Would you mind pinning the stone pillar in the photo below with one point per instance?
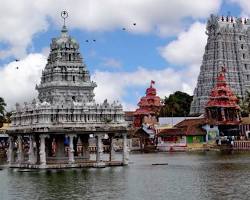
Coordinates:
(238, 118)
(32, 157)
(125, 155)
(42, 152)
(219, 142)
(11, 158)
(60, 147)
(20, 156)
(99, 148)
(206, 136)
(224, 117)
(112, 151)
(85, 147)
(71, 149)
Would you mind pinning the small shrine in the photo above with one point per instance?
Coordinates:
(149, 107)
(145, 118)
(222, 108)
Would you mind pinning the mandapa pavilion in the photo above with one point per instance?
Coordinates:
(53, 131)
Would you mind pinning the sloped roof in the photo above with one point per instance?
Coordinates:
(141, 111)
(185, 127)
(173, 120)
(146, 131)
(171, 132)
(191, 122)
(193, 130)
(129, 113)
(193, 126)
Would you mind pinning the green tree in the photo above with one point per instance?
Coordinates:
(2, 106)
(7, 117)
(176, 105)
(245, 105)
(2, 110)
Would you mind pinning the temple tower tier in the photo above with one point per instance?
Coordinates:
(65, 77)
(228, 44)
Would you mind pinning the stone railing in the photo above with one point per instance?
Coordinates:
(242, 145)
(92, 149)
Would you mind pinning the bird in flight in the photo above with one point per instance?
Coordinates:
(93, 40)
(124, 28)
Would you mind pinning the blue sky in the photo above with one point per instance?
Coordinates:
(166, 45)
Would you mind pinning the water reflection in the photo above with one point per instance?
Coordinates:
(208, 175)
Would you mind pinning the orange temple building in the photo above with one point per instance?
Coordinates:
(145, 118)
(149, 107)
(222, 108)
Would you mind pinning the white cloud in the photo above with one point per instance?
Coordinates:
(18, 79)
(21, 19)
(111, 63)
(188, 48)
(118, 85)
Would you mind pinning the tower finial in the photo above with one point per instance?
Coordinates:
(64, 15)
(152, 83)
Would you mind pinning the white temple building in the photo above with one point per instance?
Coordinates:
(53, 130)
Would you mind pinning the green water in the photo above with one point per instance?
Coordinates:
(187, 176)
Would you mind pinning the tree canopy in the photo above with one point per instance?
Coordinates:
(245, 105)
(176, 105)
(2, 106)
(2, 110)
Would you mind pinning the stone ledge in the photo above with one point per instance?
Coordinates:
(66, 166)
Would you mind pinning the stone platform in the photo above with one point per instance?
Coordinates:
(89, 164)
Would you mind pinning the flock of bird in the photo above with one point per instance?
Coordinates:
(87, 41)
(124, 29)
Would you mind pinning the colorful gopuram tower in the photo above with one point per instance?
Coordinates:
(149, 106)
(228, 44)
(222, 108)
